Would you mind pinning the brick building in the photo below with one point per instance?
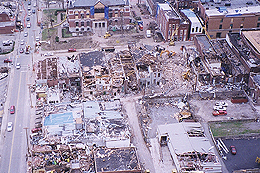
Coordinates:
(222, 17)
(98, 16)
(170, 22)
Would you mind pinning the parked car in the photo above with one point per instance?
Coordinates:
(28, 19)
(72, 50)
(28, 25)
(220, 108)
(35, 130)
(25, 34)
(37, 38)
(18, 65)
(22, 42)
(221, 104)
(233, 150)
(21, 50)
(12, 109)
(216, 113)
(9, 126)
(7, 60)
(33, 11)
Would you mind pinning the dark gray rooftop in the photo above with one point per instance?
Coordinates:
(91, 59)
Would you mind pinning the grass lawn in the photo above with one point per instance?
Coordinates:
(234, 128)
(47, 33)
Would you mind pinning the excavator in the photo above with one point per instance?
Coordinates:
(172, 43)
(186, 75)
(107, 35)
(169, 53)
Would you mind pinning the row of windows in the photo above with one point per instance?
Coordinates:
(82, 23)
(232, 20)
(196, 30)
(241, 26)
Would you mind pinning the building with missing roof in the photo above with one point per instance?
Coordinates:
(98, 16)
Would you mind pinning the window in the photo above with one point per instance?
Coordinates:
(258, 25)
(77, 23)
(99, 24)
(95, 25)
(82, 29)
(82, 16)
(218, 35)
(82, 24)
(221, 20)
(159, 74)
(258, 18)
(192, 30)
(242, 25)
(231, 26)
(200, 29)
(220, 27)
(88, 23)
(103, 24)
(154, 81)
(232, 20)
(196, 29)
(77, 29)
(110, 22)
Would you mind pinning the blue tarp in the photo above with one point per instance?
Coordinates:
(56, 119)
(106, 12)
(92, 10)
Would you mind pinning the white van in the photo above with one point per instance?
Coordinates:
(148, 33)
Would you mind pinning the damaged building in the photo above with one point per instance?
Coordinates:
(189, 148)
(117, 160)
(55, 77)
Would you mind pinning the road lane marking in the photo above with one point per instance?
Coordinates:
(12, 145)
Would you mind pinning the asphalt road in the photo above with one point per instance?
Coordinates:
(247, 151)
(14, 145)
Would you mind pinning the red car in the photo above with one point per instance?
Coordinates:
(72, 50)
(233, 150)
(7, 61)
(216, 113)
(12, 110)
(35, 130)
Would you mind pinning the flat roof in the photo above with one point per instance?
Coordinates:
(191, 15)
(236, 8)
(254, 38)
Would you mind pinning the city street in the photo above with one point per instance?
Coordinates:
(14, 142)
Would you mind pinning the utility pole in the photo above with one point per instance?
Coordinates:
(122, 21)
(26, 128)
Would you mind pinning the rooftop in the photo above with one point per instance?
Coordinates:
(231, 8)
(83, 3)
(254, 38)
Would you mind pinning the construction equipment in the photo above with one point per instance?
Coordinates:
(186, 75)
(257, 160)
(169, 53)
(107, 35)
(172, 43)
(206, 32)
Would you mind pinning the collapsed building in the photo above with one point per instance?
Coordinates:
(59, 78)
(189, 148)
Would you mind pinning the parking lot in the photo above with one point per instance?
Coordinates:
(247, 151)
(203, 110)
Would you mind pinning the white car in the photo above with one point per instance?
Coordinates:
(221, 104)
(37, 38)
(220, 108)
(29, 13)
(28, 25)
(25, 34)
(22, 42)
(9, 126)
(18, 65)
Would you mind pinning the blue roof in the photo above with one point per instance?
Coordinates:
(57, 119)
(188, 13)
